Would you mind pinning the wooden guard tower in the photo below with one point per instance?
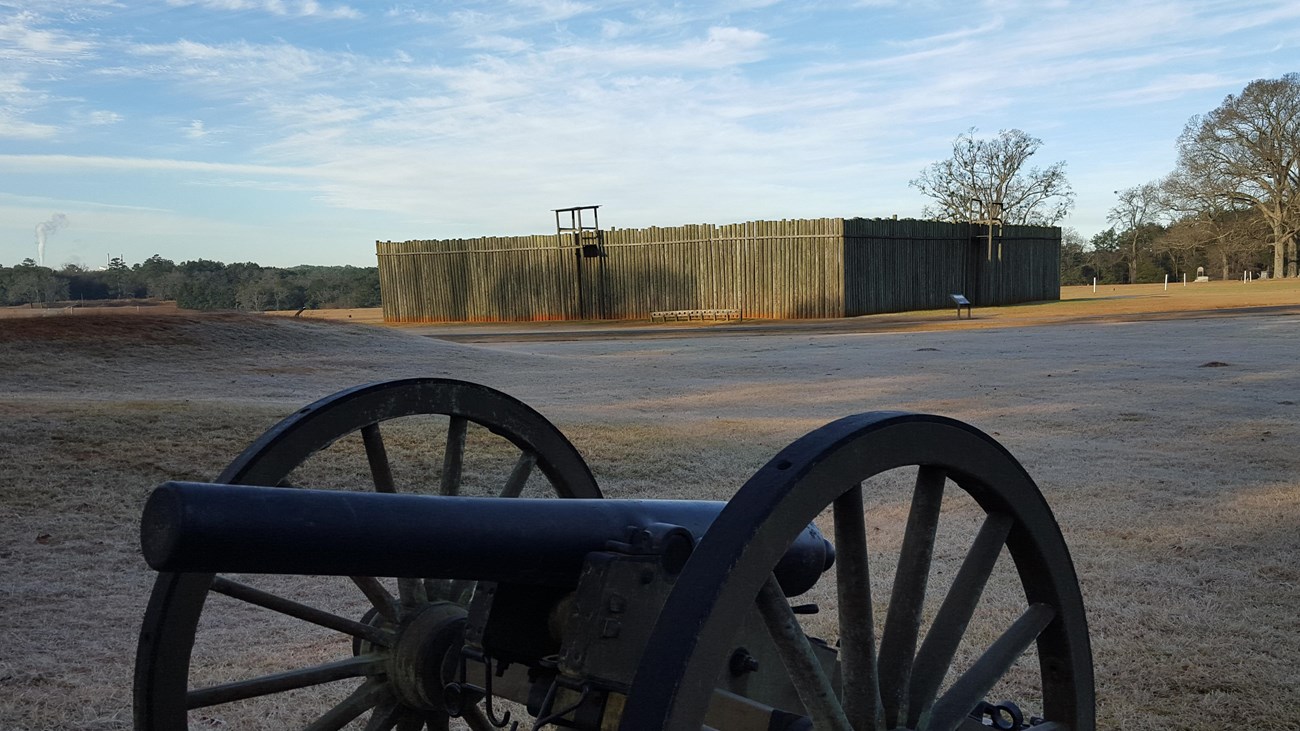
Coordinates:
(588, 240)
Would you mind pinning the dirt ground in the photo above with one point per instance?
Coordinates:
(1161, 426)
(1114, 303)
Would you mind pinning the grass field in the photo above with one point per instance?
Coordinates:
(1161, 426)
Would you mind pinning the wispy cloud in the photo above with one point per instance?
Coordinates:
(85, 163)
(191, 58)
(18, 103)
(549, 11)
(1170, 86)
(984, 31)
(102, 117)
(289, 8)
(72, 203)
(14, 127)
(23, 39)
(514, 15)
(499, 43)
(720, 47)
(238, 70)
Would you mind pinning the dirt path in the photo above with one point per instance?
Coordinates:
(1115, 303)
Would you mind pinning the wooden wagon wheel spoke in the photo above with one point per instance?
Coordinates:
(380, 599)
(903, 620)
(415, 591)
(352, 667)
(381, 470)
(970, 688)
(415, 721)
(453, 458)
(386, 715)
(349, 709)
(411, 593)
(857, 639)
(298, 610)
(163, 668)
(810, 681)
(519, 474)
(949, 626)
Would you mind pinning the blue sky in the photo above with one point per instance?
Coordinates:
(300, 131)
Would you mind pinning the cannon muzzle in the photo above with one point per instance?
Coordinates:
(215, 528)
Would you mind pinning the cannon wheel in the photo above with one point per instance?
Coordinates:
(162, 694)
(893, 684)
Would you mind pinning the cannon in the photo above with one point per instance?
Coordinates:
(448, 587)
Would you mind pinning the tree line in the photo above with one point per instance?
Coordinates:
(199, 285)
(1231, 204)
(1148, 252)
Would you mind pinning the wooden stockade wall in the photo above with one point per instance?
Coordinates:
(829, 267)
(895, 266)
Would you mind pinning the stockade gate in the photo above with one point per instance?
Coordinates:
(818, 268)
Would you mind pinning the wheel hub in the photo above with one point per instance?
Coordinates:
(426, 655)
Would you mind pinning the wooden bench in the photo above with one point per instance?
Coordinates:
(680, 315)
(961, 301)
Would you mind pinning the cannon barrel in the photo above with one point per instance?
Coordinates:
(216, 528)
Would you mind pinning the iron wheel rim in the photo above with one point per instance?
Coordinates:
(730, 565)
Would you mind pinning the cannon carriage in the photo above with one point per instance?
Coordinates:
(591, 613)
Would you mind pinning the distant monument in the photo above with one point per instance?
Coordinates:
(1200, 275)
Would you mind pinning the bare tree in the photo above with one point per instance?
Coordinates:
(986, 179)
(1232, 239)
(1182, 241)
(1073, 257)
(1247, 151)
(1224, 228)
(1138, 208)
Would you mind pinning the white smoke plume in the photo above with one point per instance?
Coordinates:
(44, 230)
